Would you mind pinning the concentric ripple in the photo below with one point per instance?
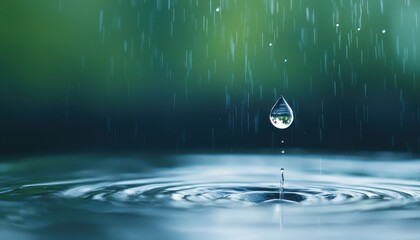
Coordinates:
(229, 194)
(215, 196)
(368, 194)
(213, 186)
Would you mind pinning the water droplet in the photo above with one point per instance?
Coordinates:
(282, 141)
(282, 151)
(285, 60)
(217, 9)
(358, 29)
(337, 25)
(384, 31)
(270, 44)
(281, 115)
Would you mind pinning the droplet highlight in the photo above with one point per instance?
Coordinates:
(281, 115)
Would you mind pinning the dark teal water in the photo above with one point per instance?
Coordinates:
(234, 196)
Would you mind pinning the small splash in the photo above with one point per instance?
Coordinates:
(281, 115)
(281, 192)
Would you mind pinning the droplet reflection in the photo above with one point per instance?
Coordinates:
(281, 115)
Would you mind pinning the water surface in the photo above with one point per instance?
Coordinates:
(232, 196)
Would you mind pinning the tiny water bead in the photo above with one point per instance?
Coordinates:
(281, 115)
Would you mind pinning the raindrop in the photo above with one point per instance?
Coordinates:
(281, 115)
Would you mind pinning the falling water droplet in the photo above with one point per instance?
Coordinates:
(281, 115)
(281, 190)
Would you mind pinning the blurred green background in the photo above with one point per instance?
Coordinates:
(204, 74)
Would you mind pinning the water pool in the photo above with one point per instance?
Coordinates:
(231, 196)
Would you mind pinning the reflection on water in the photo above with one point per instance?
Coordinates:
(210, 196)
